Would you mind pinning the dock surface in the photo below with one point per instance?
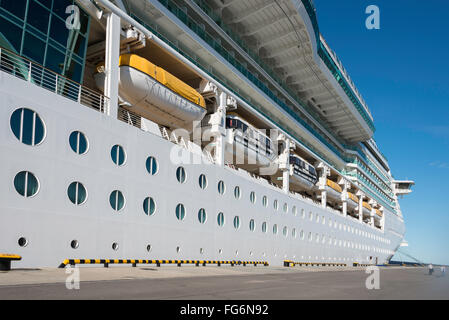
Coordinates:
(225, 282)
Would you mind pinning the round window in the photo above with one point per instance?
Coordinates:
(27, 126)
(118, 155)
(26, 184)
(77, 193)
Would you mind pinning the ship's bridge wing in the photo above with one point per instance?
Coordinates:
(285, 35)
(402, 187)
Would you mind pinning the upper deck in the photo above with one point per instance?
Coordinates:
(281, 40)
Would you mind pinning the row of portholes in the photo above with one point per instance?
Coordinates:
(29, 128)
(74, 244)
(27, 185)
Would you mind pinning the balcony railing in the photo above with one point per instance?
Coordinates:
(34, 73)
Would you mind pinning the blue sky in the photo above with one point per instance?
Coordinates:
(402, 71)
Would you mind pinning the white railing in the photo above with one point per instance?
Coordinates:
(32, 72)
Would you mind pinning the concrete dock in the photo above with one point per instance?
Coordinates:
(225, 282)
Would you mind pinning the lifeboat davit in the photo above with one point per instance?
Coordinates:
(303, 175)
(155, 94)
(333, 190)
(246, 146)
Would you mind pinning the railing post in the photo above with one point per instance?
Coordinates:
(29, 71)
(56, 84)
(79, 93)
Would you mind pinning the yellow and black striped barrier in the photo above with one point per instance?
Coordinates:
(5, 260)
(134, 262)
(356, 264)
(289, 263)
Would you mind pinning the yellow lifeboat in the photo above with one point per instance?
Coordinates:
(379, 213)
(155, 94)
(333, 190)
(353, 201)
(366, 208)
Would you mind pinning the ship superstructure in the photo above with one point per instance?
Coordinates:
(215, 129)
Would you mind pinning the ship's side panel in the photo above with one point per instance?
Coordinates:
(50, 221)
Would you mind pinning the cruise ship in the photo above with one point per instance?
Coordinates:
(186, 129)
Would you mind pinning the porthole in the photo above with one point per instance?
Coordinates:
(251, 225)
(285, 231)
(317, 216)
(118, 155)
(294, 211)
(115, 246)
(78, 142)
(264, 201)
(220, 251)
(323, 220)
(252, 197)
(117, 200)
(181, 174)
(26, 184)
(237, 193)
(275, 205)
(180, 211)
(220, 219)
(310, 215)
(151, 165)
(275, 229)
(303, 213)
(77, 193)
(149, 206)
(201, 250)
(23, 242)
(149, 248)
(294, 233)
(301, 234)
(285, 207)
(310, 236)
(178, 249)
(202, 180)
(27, 126)
(236, 222)
(74, 244)
(221, 187)
(264, 227)
(202, 215)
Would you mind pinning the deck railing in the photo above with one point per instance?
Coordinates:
(32, 72)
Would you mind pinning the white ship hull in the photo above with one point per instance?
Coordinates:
(50, 222)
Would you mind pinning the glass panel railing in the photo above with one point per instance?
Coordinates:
(36, 74)
(335, 71)
(372, 191)
(367, 171)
